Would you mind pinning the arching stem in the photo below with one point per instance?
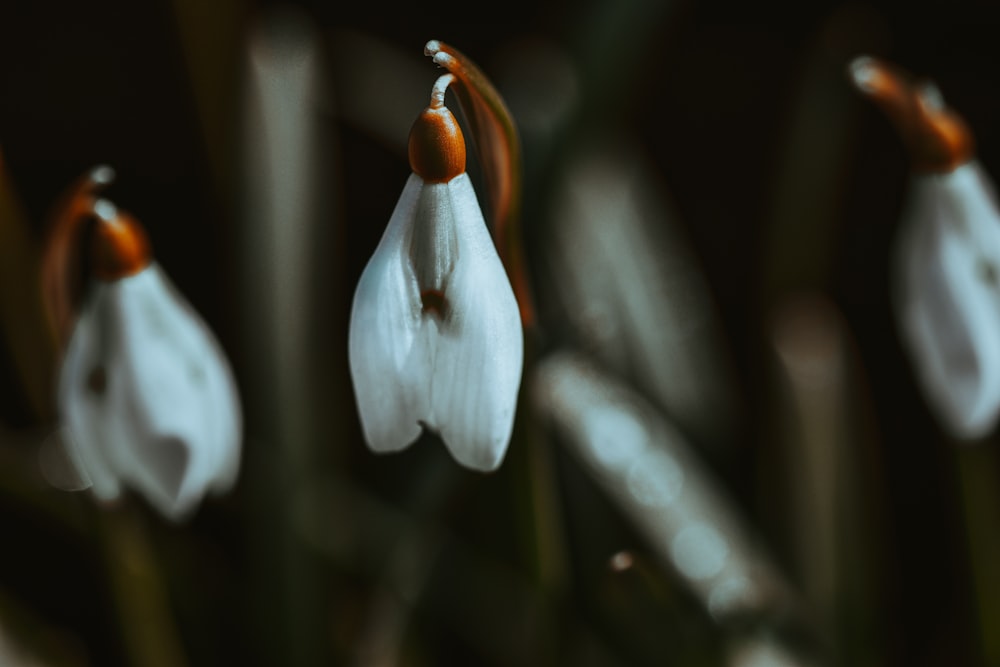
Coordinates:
(60, 253)
(499, 148)
(439, 90)
(937, 138)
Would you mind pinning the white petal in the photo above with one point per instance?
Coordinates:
(81, 409)
(179, 396)
(212, 382)
(389, 355)
(949, 308)
(60, 463)
(167, 421)
(477, 366)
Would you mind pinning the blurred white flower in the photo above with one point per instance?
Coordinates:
(948, 295)
(146, 395)
(947, 259)
(435, 333)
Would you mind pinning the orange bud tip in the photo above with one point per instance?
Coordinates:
(120, 247)
(437, 147)
(937, 138)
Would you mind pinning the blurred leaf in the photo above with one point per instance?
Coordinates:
(22, 316)
(631, 291)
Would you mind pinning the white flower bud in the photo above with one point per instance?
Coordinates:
(948, 296)
(147, 396)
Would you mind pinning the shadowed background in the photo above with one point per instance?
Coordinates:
(708, 213)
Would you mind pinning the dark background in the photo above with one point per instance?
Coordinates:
(712, 91)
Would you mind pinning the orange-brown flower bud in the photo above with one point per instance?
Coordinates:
(120, 247)
(437, 147)
(937, 138)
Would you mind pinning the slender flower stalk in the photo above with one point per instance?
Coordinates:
(947, 262)
(146, 396)
(59, 259)
(435, 336)
(287, 251)
(23, 322)
(496, 137)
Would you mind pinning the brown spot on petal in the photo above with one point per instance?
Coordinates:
(987, 272)
(97, 381)
(434, 302)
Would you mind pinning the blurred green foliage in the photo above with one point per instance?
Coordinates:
(759, 166)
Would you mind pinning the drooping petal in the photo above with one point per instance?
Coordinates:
(214, 380)
(390, 357)
(227, 427)
(949, 297)
(183, 396)
(149, 398)
(480, 346)
(81, 383)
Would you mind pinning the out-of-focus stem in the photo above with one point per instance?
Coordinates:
(420, 567)
(210, 34)
(402, 581)
(536, 503)
(979, 483)
(28, 640)
(805, 203)
(61, 251)
(610, 44)
(286, 252)
(22, 315)
(547, 511)
(764, 651)
(810, 348)
(151, 638)
(23, 479)
(827, 507)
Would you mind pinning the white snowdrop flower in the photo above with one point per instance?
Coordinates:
(145, 393)
(946, 272)
(948, 296)
(435, 334)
